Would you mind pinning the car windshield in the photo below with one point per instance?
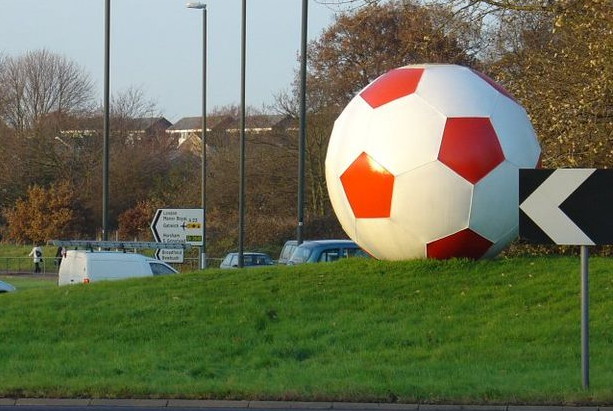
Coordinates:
(301, 255)
(256, 260)
(287, 252)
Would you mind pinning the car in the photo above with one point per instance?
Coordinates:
(288, 249)
(317, 251)
(286, 252)
(250, 259)
(6, 287)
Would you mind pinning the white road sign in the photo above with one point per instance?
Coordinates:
(170, 255)
(177, 225)
(569, 206)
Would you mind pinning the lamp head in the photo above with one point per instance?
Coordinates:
(196, 5)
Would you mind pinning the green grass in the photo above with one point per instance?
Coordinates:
(503, 331)
(28, 282)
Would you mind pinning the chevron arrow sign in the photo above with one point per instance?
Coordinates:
(566, 206)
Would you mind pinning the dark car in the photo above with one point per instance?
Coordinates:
(317, 251)
(250, 259)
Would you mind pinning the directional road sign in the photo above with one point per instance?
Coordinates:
(175, 225)
(566, 206)
(170, 255)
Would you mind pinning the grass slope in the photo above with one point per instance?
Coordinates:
(504, 331)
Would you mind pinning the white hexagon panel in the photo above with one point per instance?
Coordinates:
(423, 163)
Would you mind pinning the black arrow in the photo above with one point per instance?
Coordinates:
(156, 235)
(590, 206)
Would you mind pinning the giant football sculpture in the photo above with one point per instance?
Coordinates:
(423, 163)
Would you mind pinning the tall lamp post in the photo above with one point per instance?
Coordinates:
(105, 132)
(202, 6)
(241, 189)
(302, 126)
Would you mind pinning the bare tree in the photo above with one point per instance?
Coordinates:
(3, 91)
(40, 83)
(139, 155)
(39, 91)
(128, 107)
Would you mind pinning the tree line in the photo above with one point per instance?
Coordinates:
(553, 56)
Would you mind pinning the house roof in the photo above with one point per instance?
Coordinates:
(259, 122)
(195, 123)
(145, 123)
(263, 122)
(133, 124)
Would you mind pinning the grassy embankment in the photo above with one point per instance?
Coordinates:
(503, 331)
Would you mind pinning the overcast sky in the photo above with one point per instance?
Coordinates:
(156, 45)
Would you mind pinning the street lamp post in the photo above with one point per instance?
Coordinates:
(201, 6)
(302, 126)
(241, 189)
(106, 109)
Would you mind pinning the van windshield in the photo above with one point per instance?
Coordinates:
(160, 269)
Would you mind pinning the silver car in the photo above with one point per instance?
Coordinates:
(286, 252)
(6, 287)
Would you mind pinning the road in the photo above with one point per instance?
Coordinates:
(41, 404)
(26, 404)
(111, 408)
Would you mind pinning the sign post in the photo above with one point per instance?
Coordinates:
(177, 225)
(568, 207)
(585, 320)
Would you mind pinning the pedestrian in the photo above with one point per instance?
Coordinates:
(37, 257)
(59, 254)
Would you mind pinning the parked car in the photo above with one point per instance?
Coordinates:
(6, 287)
(250, 259)
(81, 266)
(317, 251)
(286, 252)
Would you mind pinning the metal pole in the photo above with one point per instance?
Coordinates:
(105, 146)
(241, 197)
(585, 331)
(204, 138)
(302, 131)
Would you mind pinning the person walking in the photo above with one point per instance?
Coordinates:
(37, 258)
(60, 253)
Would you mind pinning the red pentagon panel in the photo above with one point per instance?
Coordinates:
(470, 147)
(463, 244)
(392, 85)
(368, 187)
(497, 86)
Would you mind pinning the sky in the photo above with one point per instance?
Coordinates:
(156, 46)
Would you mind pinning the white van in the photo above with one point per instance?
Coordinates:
(81, 266)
